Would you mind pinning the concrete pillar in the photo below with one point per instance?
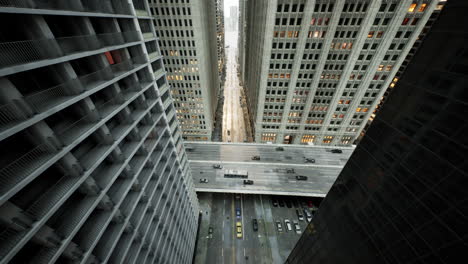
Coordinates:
(41, 133)
(70, 165)
(10, 95)
(88, 109)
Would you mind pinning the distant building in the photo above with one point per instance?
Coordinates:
(220, 40)
(233, 17)
(187, 32)
(401, 198)
(92, 166)
(314, 71)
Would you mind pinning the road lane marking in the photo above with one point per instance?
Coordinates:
(222, 252)
(244, 252)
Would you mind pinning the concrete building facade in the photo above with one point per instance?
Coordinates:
(315, 70)
(187, 32)
(220, 40)
(401, 198)
(92, 165)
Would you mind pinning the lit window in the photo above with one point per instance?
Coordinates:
(358, 109)
(380, 67)
(405, 21)
(422, 8)
(371, 34)
(412, 7)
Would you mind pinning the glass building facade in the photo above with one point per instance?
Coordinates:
(402, 196)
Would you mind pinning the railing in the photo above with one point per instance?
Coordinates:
(116, 7)
(20, 168)
(22, 109)
(27, 51)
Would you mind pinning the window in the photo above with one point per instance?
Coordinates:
(415, 21)
(379, 34)
(422, 8)
(405, 21)
(411, 8)
(371, 34)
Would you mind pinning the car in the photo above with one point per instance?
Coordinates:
(290, 171)
(301, 178)
(203, 180)
(248, 182)
(255, 224)
(279, 148)
(256, 158)
(238, 213)
(281, 203)
(210, 230)
(239, 229)
(309, 160)
(275, 203)
(217, 166)
(229, 132)
(279, 226)
(308, 215)
(300, 216)
(310, 204)
(336, 151)
(297, 227)
(287, 223)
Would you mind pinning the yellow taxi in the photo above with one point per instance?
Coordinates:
(239, 229)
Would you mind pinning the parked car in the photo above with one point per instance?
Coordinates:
(281, 203)
(279, 226)
(310, 204)
(255, 224)
(287, 223)
(336, 151)
(239, 229)
(248, 182)
(203, 180)
(301, 178)
(297, 227)
(217, 166)
(256, 158)
(275, 202)
(300, 216)
(309, 160)
(279, 148)
(238, 212)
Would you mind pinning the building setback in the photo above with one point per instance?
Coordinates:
(92, 166)
(315, 70)
(401, 198)
(187, 33)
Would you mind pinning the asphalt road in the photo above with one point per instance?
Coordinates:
(233, 117)
(269, 174)
(264, 246)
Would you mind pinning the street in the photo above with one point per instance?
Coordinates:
(266, 245)
(233, 117)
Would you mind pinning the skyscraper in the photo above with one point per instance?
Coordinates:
(92, 167)
(315, 70)
(187, 32)
(401, 198)
(220, 40)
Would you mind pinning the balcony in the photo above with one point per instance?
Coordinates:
(29, 51)
(108, 7)
(19, 114)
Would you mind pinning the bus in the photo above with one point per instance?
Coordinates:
(236, 174)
